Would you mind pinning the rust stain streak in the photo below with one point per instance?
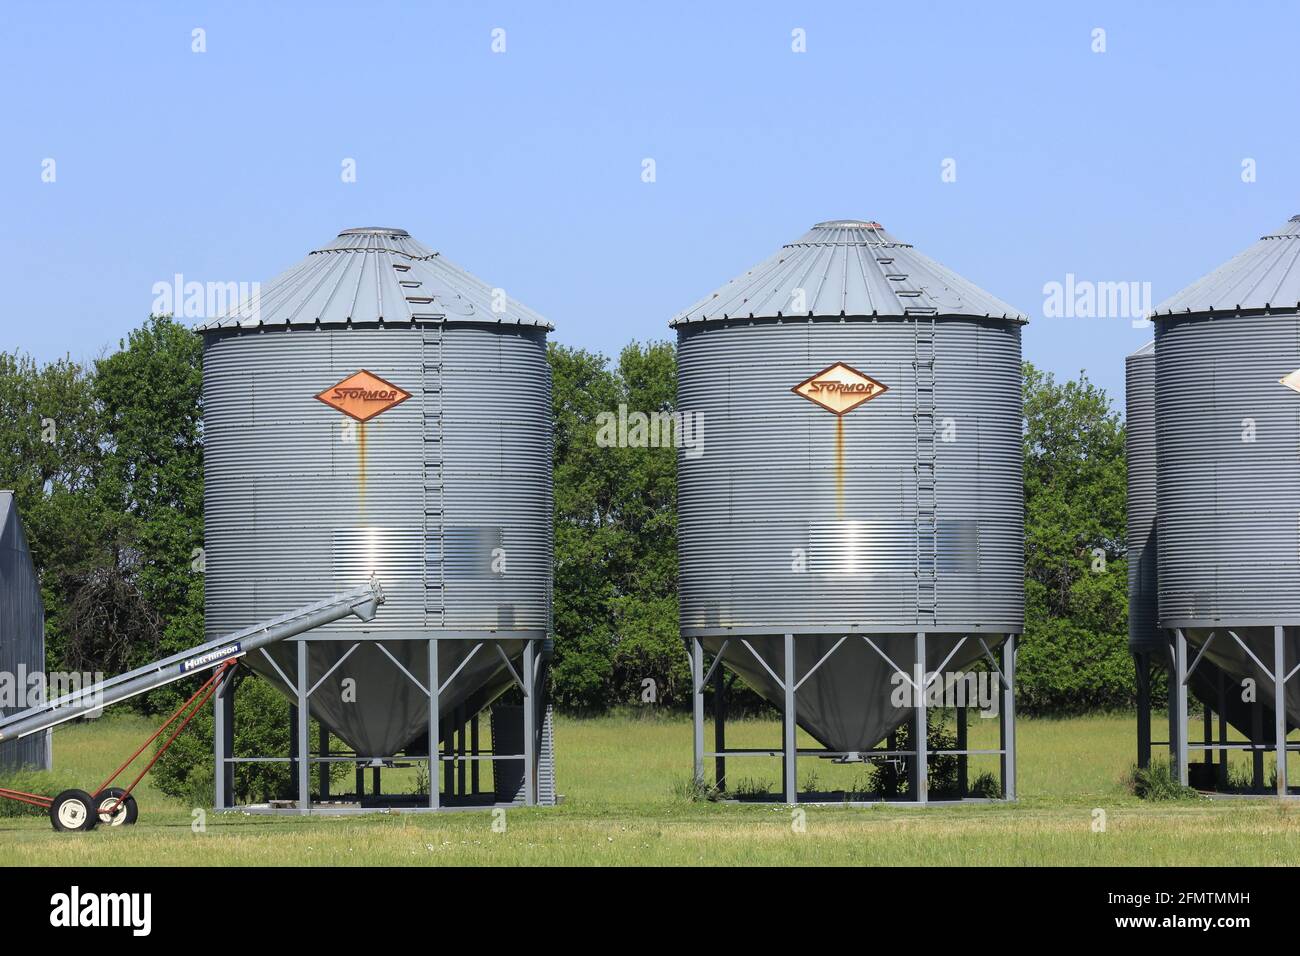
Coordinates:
(361, 467)
(839, 466)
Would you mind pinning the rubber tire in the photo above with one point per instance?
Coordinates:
(127, 814)
(65, 815)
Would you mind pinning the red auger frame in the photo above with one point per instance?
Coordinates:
(77, 810)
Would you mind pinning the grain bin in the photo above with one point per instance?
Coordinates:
(378, 410)
(854, 510)
(1227, 415)
(1148, 643)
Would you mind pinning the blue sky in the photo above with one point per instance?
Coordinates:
(525, 166)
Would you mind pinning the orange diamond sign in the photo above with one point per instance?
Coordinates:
(840, 388)
(363, 396)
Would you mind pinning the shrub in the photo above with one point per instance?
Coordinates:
(261, 729)
(1157, 782)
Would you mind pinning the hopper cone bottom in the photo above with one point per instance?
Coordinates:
(1227, 655)
(382, 711)
(847, 704)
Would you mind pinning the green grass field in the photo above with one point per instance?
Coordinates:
(624, 783)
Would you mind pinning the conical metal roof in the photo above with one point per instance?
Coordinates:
(374, 275)
(1266, 277)
(847, 267)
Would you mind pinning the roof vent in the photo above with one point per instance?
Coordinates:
(376, 231)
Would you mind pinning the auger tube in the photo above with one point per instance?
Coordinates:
(362, 601)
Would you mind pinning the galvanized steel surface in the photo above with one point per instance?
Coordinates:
(771, 489)
(1140, 420)
(1228, 488)
(22, 632)
(848, 703)
(903, 514)
(1264, 277)
(301, 501)
(376, 275)
(1224, 655)
(847, 267)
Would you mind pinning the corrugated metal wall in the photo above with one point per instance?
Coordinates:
(455, 518)
(1140, 445)
(765, 488)
(293, 512)
(1229, 477)
(22, 631)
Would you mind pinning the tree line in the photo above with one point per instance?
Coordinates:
(106, 460)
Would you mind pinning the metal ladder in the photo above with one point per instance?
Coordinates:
(927, 524)
(431, 410)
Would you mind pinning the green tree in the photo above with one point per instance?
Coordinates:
(615, 532)
(51, 453)
(1074, 655)
(150, 399)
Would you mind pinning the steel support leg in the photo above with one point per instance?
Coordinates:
(461, 769)
(293, 742)
(719, 727)
(530, 724)
(1221, 774)
(324, 745)
(474, 786)
(1207, 715)
(304, 731)
(1257, 738)
(789, 745)
(963, 761)
(1142, 665)
(1178, 701)
(448, 766)
(1279, 707)
(223, 744)
(1008, 722)
(920, 732)
(697, 711)
(434, 734)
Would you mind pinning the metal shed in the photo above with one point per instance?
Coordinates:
(857, 513)
(22, 634)
(379, 410)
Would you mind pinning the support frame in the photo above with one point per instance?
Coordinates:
(455, 756)
(705, 674)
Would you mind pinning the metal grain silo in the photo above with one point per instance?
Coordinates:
(854, 511)
(378, 410)
(1228, 490)
(1146, 641)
